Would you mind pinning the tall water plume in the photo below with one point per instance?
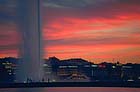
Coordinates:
(29, 19)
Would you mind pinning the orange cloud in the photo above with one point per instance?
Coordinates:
(93, 37)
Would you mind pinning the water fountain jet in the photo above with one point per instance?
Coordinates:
(30, 66)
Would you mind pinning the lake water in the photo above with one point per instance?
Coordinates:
(71, 89)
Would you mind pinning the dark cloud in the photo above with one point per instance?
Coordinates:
(75, 3)
(95, 9)
(64, 3)
(7, 11)
(129, 1)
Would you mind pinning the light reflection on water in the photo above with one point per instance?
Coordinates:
(71, 89)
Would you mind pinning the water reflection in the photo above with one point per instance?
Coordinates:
(72, 89)
(22, 90)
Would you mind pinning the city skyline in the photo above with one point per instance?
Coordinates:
(88, 29)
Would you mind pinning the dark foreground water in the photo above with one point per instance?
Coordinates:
(71, 89)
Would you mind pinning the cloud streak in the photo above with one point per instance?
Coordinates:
(83, 26)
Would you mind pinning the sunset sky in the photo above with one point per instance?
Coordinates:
(91, 29)
(95, 30)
